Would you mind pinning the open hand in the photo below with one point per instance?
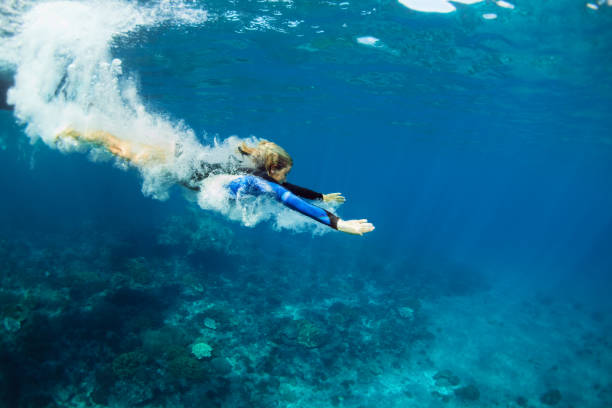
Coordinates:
(355, 227)
(334, 197)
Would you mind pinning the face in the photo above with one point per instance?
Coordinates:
(280, 175)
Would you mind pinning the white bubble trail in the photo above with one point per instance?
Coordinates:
(66, 77)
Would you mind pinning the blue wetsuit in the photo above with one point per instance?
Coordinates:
(256, 186)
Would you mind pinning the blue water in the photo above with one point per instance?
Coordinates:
(481, 150)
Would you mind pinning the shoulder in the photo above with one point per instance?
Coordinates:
(254, 182)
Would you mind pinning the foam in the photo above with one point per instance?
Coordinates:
(428, 6)
(369, 41)
(505, 4)
(10, 21)
(374, 42)
(434, 6)
(67, 77)
(468, 2)
(251, 211)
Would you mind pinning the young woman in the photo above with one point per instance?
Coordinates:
(262, 170)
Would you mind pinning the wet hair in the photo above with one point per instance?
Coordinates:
(267, 155)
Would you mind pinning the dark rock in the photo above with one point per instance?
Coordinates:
(105, 377)
(342, 316)
(309, 334)
(287, 331)
(221, 366)
(443, 397)
(347, 384)
(521, 401)
(468, 393)
(446, 378)
(127, 364)
(186, 366)
(551, 397)
(100, 396)
(39, 400)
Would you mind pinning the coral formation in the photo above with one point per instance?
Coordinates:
(197, 232)
(309, 334)
(551, 397)
(185, 366)
(468, 393)
(446, 378)
(249, 333)
(201, 350)
(127, 365)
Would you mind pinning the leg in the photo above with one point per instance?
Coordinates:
(136, 153)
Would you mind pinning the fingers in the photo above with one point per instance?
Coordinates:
(337, 197)
(364, 226)
(358, 227)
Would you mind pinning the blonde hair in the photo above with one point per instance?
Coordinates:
(267, 155)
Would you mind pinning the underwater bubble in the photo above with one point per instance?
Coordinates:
(369, 41)
(428, 6)
(434, 6)
(504, 4)
(116, 66)
(467, 1)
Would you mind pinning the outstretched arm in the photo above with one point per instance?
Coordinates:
(313, 195)
(257, 186)
(354, 227)
(304, 192)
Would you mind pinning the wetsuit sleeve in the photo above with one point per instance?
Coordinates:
(303, 192)
(297, 190)
(297, 204)
(257, 186)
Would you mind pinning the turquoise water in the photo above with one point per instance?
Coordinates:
(480, 147)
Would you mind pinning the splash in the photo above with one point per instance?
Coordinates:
(250, 211)
(65, 73)
(67, 78)
(444, 6)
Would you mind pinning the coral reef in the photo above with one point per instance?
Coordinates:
(177, 328)
(551, 397)
(127, 365)
(197, 232)
(468, 393)
(201, 350)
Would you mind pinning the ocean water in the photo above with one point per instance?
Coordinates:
(477, 138)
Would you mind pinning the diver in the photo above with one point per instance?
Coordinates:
(261, 170)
